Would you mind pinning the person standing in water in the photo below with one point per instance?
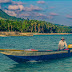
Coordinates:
(62, 44)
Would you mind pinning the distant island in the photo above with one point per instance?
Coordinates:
(18, 25)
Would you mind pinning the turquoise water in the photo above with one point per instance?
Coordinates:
(39, 42)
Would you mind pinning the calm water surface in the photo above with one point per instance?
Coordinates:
(39, 42)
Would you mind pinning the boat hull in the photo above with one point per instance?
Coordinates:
(24, 56)
(21, 59)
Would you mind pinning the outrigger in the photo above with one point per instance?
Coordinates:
(35, 55)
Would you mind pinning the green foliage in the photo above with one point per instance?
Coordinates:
(33, 26)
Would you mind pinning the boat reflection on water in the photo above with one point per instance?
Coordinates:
(23, 67)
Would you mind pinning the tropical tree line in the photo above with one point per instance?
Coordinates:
(33, 26)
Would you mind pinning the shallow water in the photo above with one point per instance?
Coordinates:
(39, 42)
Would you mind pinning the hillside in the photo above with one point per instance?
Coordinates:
(11, 23)
(3, 15)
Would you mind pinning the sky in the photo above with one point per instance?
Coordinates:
(54, 11)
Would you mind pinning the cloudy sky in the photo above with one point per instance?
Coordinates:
(55, 11)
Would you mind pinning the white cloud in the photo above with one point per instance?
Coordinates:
(21, 7)
(33, 8)
(32, 14)
(25, 14)
(11, 13)
(5, 1)
(68, 16)
(17, 3)
(53, 14)
(16, 7)
(40, 2)
(40, 14)
(13, 7)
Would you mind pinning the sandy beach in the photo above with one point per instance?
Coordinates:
(29, 34)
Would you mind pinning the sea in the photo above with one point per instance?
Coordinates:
(38, 42)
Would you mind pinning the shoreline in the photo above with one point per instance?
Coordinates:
(3, 34)
(52, 33)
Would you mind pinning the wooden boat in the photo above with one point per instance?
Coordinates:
(35, 55)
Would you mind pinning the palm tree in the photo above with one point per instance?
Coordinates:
(42, 25)
(35, 26)
(32, 27)
(8, 27)
(38, 28)
(11, 28)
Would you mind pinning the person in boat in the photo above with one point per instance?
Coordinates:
(62, 44)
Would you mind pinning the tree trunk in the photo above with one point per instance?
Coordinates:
(42, 29)
(38, 28)
(11, 28)
(35, 26)
(8, 27)
(32, 29)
